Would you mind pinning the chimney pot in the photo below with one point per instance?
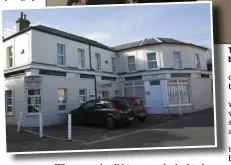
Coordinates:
(21, 14)
(25, 16)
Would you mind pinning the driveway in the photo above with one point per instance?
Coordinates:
(188, 130)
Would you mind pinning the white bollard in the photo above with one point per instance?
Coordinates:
(69, 127)
(19, 121)
(40, 125)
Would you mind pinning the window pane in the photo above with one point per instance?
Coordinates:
(172, 94)
(34, 100)
(80, 63)
(33, 92)
(113, 61)
(9, 109)
(33, 108)
(60, 49)
(10, 62)
(8, 93)
(131, 67)
(62, 107)
(60, 60)
(9, 101)
(82, 99)
(131, 59)
(151, 56)
(80, 54)
(61, 92)
(81, 92)
(152, 65)
(128, 91)
(184, 93)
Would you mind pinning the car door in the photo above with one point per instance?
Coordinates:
(101, 111)
(88, 112)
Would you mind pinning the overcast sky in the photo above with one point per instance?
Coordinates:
(121, 24)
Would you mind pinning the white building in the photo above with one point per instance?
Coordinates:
(53, 72)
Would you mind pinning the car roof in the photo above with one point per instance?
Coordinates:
(132, 97)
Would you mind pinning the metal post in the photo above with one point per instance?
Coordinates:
(19, 121)
(40, 125)
(69, 127)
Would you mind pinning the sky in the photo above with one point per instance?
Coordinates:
(122, 24)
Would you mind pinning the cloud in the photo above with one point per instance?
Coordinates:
(9, 31)
(98, 36)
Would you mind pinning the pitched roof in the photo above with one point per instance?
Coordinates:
(153, 41)
(63, 34)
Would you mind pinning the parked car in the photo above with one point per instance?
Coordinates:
(137, 105)
(108, 112)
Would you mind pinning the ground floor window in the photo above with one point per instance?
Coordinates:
(117, 93)
(8, 101)
(134, 89)
(82, 96)
(178, 91)
(62, 99)
(34, 100)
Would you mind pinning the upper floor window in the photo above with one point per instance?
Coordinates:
(197, 60)
(98, 63)
(177, 60)
(152, 62)
(60, 54)
(10, 56)
(131, 64)
(113, 64)
(80, 57)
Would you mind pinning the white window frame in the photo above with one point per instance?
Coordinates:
(151, 61)
(65, 96)
(178, 60)
(10, 56)
(197, 61)
(85, 95)
(98, 62)
(61, 55)
(134, 63)
(113, 64)
(81, 59)
(133, 85)
(6, 102)
(178, 83)
(31, 96)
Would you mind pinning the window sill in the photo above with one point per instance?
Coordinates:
(9, 114)
(176, 105)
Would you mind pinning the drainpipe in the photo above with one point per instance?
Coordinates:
(92, 70)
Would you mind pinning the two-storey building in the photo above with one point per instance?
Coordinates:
(53, 72)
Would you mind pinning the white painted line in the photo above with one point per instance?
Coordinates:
(134, 132)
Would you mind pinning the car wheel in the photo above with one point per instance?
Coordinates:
(142, 119)
(110, 123)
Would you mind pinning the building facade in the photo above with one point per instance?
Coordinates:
(53, 72)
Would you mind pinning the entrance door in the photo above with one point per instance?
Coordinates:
(154, 99)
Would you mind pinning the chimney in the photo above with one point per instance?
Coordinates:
(22, 22)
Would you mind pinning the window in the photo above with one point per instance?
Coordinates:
(60, 54)
(117, 93)
(98, 63)
(131, 64)
(82, 96)
(152, 62)
(178, 92)
(8, 101)
(177, 59)
(155, 82)
(113, 64)
(34, 100)
(10, 56)
(197, 60)
(62, 99)
(81, 60)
